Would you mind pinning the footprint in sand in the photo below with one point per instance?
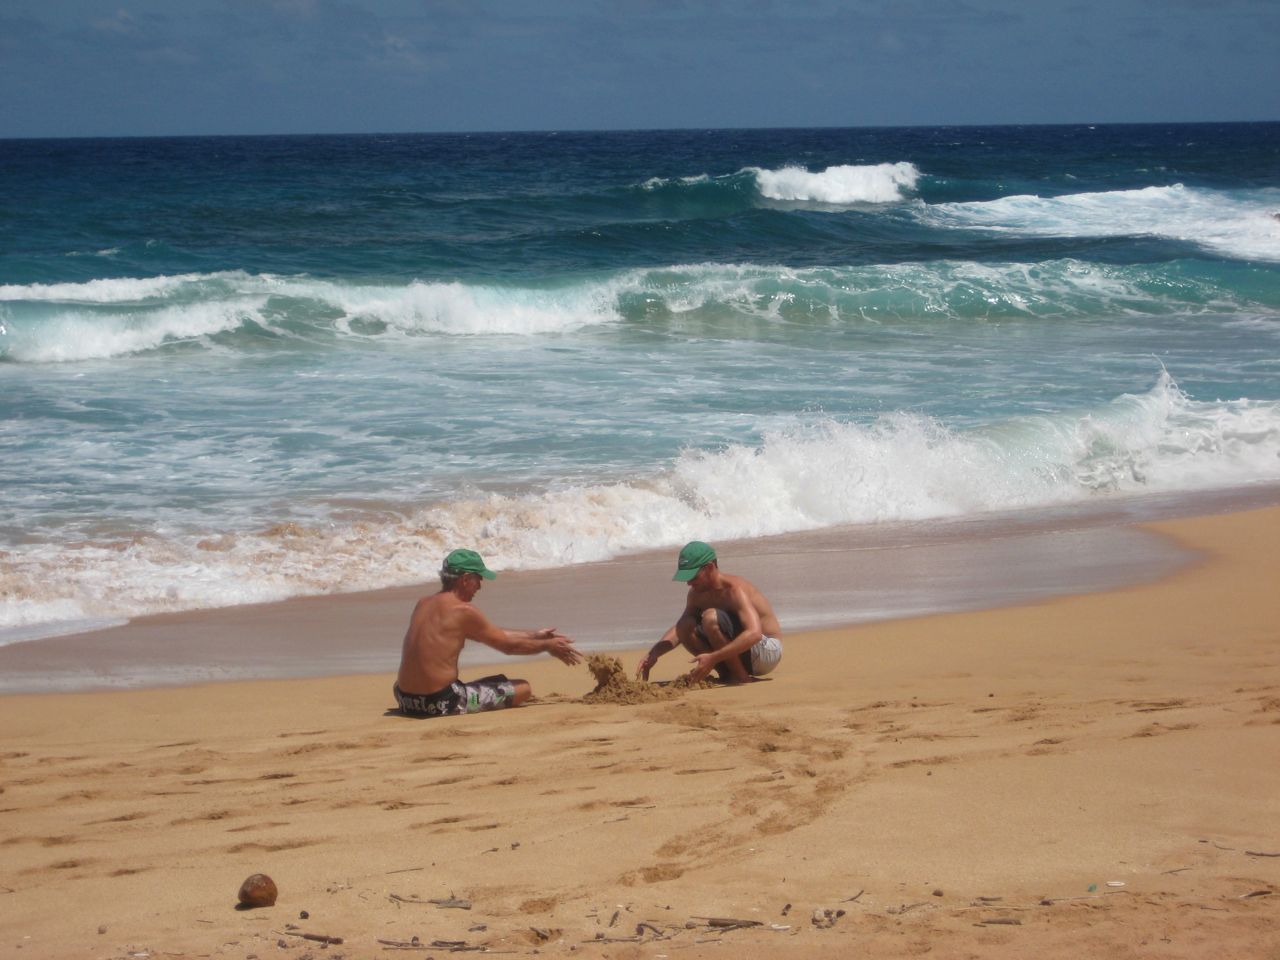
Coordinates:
(1159, 729)
(654, 874)
(271, 847)
(922, 762)
(123, 818)
(1152, 706)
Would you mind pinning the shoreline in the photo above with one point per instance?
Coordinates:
(824, 578)
(1070, 776)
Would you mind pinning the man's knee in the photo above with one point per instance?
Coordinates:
(522, 692)
(688, 630)
(716, 627)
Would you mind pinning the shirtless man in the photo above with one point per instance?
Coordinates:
(441, 624)
(727, 623)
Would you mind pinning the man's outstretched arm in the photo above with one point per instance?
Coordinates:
(517, 643)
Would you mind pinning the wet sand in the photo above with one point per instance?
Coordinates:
(1082, 775)
(824, 578)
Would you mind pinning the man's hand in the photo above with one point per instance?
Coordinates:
(704, 663)
(642, 671)
(559, 646)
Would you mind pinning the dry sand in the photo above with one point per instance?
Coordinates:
(1085, 776)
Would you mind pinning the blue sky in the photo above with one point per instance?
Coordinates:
(159, 67)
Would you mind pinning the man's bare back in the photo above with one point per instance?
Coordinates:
(433, 642)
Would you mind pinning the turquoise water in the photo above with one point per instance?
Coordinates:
(240, 369)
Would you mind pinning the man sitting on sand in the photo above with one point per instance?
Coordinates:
(727, 623)
(441, 624)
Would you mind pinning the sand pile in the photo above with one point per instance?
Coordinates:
(614, 686)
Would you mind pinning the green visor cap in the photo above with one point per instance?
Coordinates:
(693, 558)
(467, 561)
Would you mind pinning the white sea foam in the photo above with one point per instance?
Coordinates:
(78, 335)
(100, 319)
(1237, 224)
(107, 318)
(839, 185)
(844, 184)
(460, 309)
(656, 183)
(807, 475)
(119, 289)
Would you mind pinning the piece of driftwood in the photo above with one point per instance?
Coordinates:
(1255, 893)
(854, 898)
(1050, 901)
(314, 937)
(904, 907)
(1260, 853)
(451, 903)
(456, 946)
(728, 923)
(444, 903)
(414, 944)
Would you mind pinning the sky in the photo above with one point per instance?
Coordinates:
(182, 67)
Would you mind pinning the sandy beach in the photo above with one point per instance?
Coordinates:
(1070, 777)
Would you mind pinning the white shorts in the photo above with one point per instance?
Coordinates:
(765, 655)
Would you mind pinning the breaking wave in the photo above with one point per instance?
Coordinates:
(806, 475)
(1240, 224)
(109, 318)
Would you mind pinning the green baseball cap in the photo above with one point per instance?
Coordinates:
(693, 558)
(468, 561)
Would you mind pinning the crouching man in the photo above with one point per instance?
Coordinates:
(427, 684)
(727, 623)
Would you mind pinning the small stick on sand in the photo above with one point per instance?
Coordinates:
(728, 923)
(1255, 893)
(1050, 901)
(1007, 921)
(1248, 853)
(907, 906)
(456, 946)
(853, 899)
(451, 903)
(314, 937)
(444, 903)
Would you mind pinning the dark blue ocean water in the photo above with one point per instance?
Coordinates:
(235, 369)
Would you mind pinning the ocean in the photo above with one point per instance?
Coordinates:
(240, 369)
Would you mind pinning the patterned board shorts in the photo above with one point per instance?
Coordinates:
(487, 693)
